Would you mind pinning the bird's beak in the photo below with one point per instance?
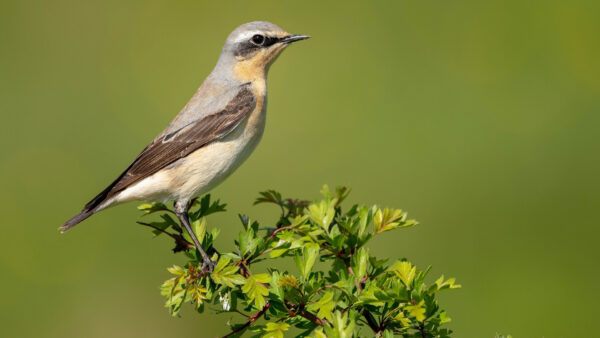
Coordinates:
(293, 38)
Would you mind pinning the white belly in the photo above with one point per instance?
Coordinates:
(200, 171)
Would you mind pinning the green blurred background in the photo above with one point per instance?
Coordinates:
(478, 117)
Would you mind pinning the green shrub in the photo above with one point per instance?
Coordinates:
(358, 295)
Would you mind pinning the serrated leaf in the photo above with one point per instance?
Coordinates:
(405, 271)
(256, 290)
(248, 241)
(275, 330)
(440, 284)
(197, 293)
(400, 317)
(199, 227)
(308, 258)
(342, 326)
(322, 213)
(226, 274)
(269, 196)
(417, 311)
(365, 216)
(177, 270)
(324, 306)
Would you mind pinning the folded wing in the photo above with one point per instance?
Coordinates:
(169, 148)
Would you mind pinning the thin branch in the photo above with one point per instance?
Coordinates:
(249, 322)
(178, 238)
(280, 229)
(299, 310)
(240, 312)
(313, 318)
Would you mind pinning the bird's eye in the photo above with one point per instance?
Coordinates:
(258, 39)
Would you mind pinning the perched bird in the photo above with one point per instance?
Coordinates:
(212, 135)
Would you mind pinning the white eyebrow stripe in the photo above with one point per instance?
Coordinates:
(247, 35)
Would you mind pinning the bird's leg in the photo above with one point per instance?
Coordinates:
(182, 214)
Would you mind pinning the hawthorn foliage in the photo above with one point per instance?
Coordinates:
(355, 294)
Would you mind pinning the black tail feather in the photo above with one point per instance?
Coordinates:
(90, 208)
(85, 213)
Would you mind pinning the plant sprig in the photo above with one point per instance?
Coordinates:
(359, 294)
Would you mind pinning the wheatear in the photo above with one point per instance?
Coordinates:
(212, 135)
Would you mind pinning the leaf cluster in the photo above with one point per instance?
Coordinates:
(336, 287)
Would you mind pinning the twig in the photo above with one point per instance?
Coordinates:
(249, 322)
(280, 229)
(301, 311)
(313, 318)
(178, 238)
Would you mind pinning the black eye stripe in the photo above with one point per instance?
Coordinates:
(247, 47)
(270, 41)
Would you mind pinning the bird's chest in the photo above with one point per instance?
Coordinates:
(210, 165)
(248, 134)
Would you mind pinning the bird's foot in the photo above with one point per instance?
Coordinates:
(208, 266)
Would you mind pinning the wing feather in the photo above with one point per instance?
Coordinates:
(169, 148)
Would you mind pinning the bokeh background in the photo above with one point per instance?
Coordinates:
(480, 118)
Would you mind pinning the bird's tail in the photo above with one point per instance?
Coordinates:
(90, 208)
(85, 213)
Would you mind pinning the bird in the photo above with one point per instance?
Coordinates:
(210, 137)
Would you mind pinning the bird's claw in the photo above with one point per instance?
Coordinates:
(208, 266)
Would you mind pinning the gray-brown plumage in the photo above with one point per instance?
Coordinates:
(165, 150)
(213, 134)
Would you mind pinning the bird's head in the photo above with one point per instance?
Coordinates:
(252, 47)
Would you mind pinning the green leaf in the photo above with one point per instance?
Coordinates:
(389, 219)
(440, 284)
(198, 293)
(275, 330)
(226, 274)
(269, 196)
(277, 252)
(207, 208)
(360, 262)
(365, 217)
(417, 311)
(308, 258)
(177, 270)
(322, 213)
(199, 227)
(343, 327)
(369, 295)
(405, 271)
(324, 306)
(173, 289)
(149, 208)
(256, 290)
(247, 241)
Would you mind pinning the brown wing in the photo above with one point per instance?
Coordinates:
(180, 143)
